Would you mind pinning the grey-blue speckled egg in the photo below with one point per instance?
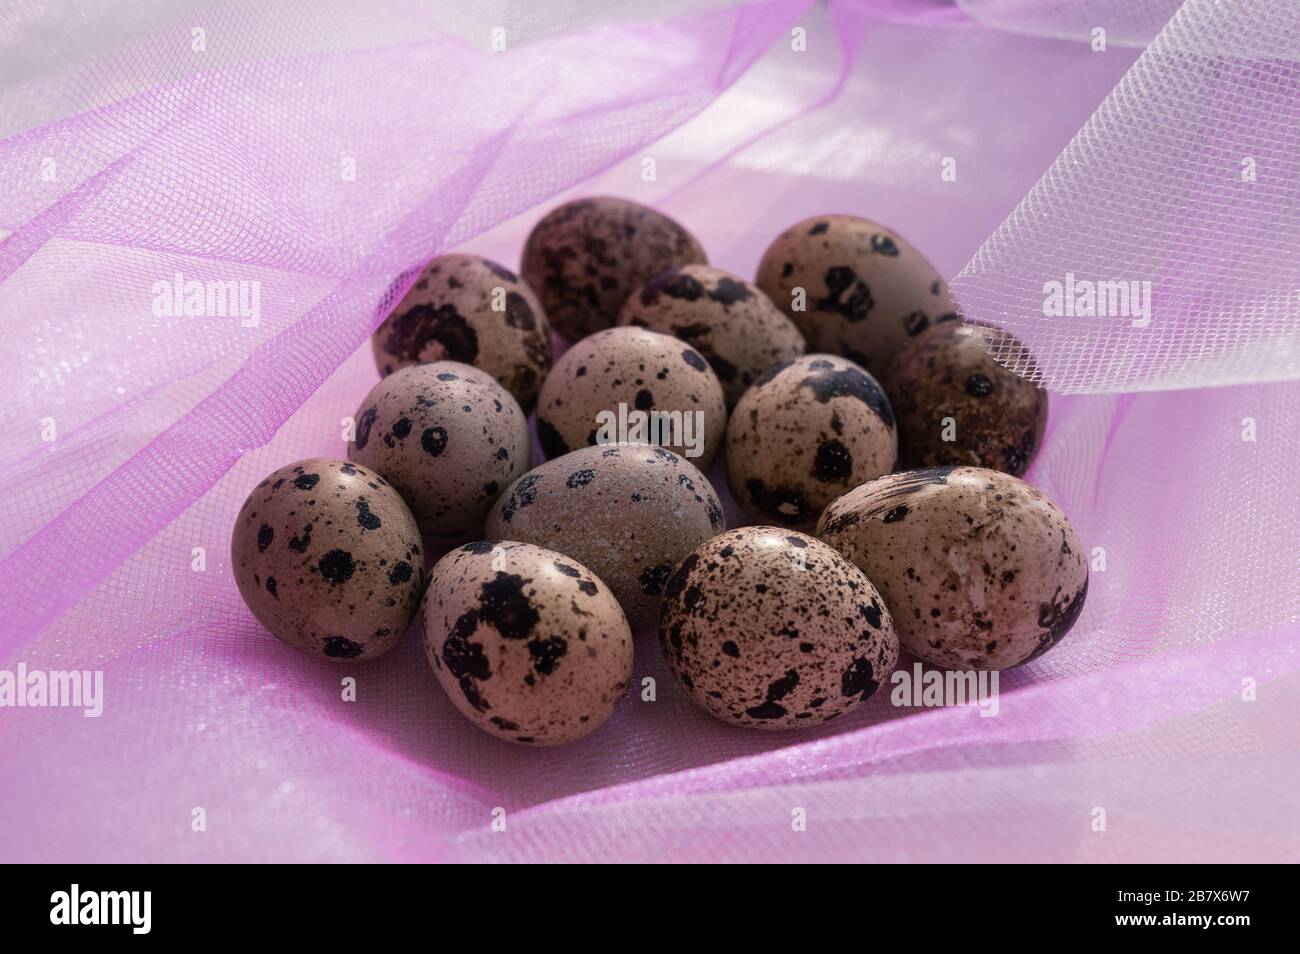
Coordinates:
(630, 512)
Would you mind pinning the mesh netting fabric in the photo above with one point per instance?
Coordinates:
(226, 164)
(1178, 203)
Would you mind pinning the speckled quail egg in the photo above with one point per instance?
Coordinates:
(585, 257)
(854, 287)
(327, 556)
(807, 431)
(631, 512)
(449, 438)
(773, 629)
(729, 321)
(980, 570)
(469, 309)
(529, 645)
(629, 384)
(955, 405)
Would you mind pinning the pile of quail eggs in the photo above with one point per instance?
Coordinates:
(865, 433)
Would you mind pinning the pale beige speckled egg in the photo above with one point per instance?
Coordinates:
(979, 569)
(865, 289)
(529, 644)
(469, 309)
(772, 629)
(631, 512)
(626, 374)
(585, 257)
(806, 432)
(327, 556)
(729, 321)
(449, 438)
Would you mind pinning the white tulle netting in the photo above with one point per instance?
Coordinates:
(324, 149)
(1159, 250)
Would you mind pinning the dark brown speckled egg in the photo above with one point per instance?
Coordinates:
(606, 386)
(327, 556)
(729, 321)
(955, 405)
(585, 257)
(854, 287)
(469, 309)
(631, 512)
(449, 438)
(980, 570)
(528, 644)
(772, 629)
(806, 432)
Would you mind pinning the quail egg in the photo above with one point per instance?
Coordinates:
(585, 257)
(854, 287)
(469, 309)
(631, 512)
(327, 556)
(770, 628)
(955, 405)
(629, 384)
(729, 321)
(807, 431)
(528, 644)
(980, 570)
(449, 438)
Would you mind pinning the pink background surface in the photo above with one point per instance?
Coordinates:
(225, 164)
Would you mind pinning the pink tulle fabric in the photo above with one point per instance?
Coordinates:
(324, 150)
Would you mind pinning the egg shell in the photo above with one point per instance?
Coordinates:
(772, 629)
(630, 512)
(866, 290)
(449, 438)
(643, 371)
(327, 556)
(529, 644)
(585, 257)
(469, 309)
(947, 375)
(980, 570)
(807, 431)
(732, 323)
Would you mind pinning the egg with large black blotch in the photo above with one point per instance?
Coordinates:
(586, 256)
(854, 287)
(449, 438)
(327, 556)
(980, 569)
(631, 512)
(528, 644)
(955, 405)
(807, 431)
(469, 309)
(772, 629)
